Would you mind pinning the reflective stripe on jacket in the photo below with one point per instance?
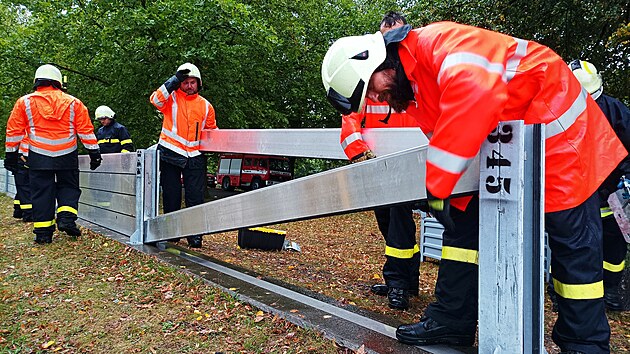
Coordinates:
(468, 79)
(52, 120)
(184, 118)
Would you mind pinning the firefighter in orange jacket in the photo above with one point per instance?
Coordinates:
(186, 113)
(464, 80)
(52, 120)
(401, 270)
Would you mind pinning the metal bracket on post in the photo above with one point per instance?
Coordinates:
(511, 196)
(137, 238)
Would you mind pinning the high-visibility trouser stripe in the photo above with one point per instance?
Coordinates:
(54, 153)
(123, 150)
(605, 211)
(42, 224)
(351, 139)
(68, 209)
(26, 206)
(178, 150)
(579, 291)
(615, 268)
(126, 141)
(447, 161)
(179, 139)
(402, 253)
(570, 116)
(460, 255)
(16, 202)
(377, 109)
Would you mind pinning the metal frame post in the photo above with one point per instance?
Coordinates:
(511, 196)
(137, 238)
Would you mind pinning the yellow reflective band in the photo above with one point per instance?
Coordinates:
(126, 141)
(68, 209)
(437, 204)
(123, 150)
(268, 230)
(26, 206)
(605, 211)
(615, 268)
(401, 253)
(102, 141)
(580, 291)
(16, 202)
(114, 141)
(460, 255)
(40, 224)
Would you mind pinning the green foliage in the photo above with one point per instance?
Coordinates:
(260, 60)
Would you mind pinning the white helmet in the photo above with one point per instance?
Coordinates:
(587, 75)
(48, 72)
(194, 71)
(104, 112)
(347, 68)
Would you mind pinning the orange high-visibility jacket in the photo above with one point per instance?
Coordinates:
(51, 119)
(24, 146)
(376, 115)
(467, 79)
(184, 118)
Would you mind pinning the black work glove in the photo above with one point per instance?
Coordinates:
(441, 210)
(11, 161)
(95, 159)
(182, 75)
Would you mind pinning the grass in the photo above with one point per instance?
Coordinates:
(92, 294)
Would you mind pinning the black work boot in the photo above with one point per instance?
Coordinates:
(43, 238)
(428, 332)
(194, 241)
(69, 227)
(612, 299)
(398, 298)
(379, 289)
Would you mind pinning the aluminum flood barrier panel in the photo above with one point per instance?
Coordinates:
(108, 194)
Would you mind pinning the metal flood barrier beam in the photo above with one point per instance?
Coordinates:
(391, 179)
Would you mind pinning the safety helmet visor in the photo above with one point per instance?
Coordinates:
(347, 105)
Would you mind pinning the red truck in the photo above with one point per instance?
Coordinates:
(252, 171)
